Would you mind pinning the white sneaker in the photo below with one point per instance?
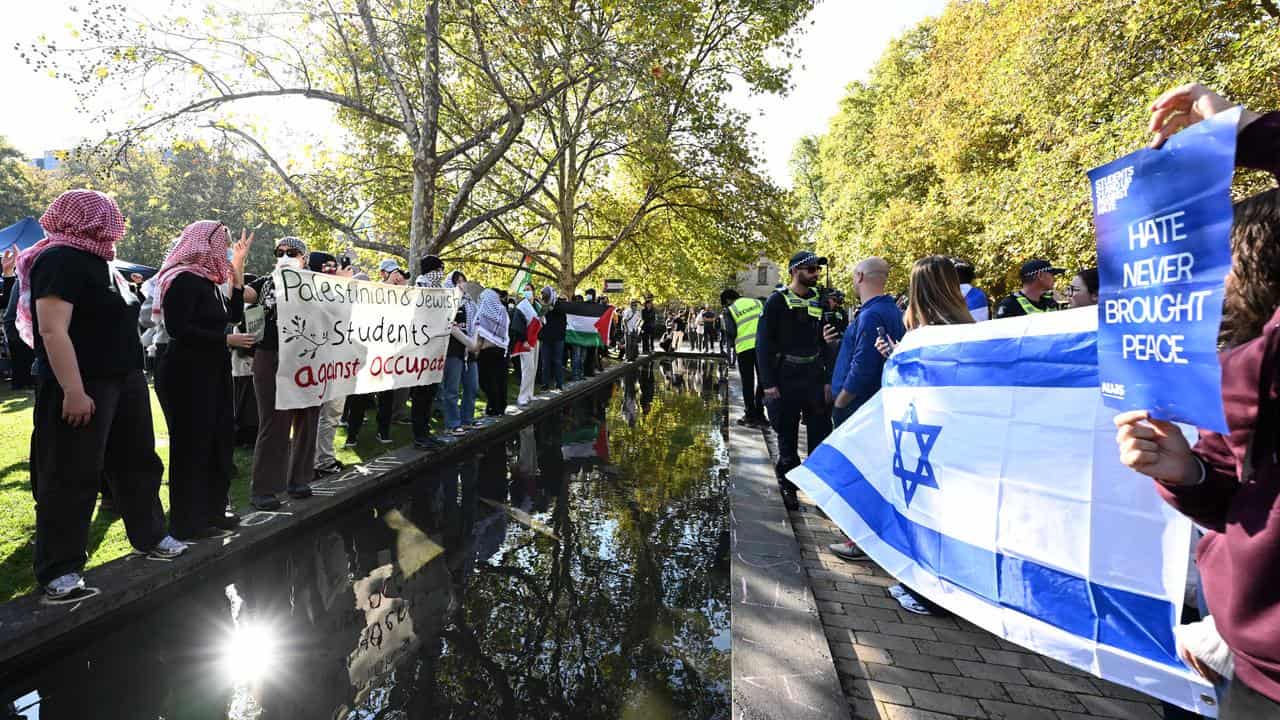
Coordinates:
(168, 548)
(64, 586)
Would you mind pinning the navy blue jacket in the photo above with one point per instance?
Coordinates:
(859, 364)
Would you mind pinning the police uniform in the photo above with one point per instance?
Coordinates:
(742, 320)
(791, 356)
(1018, 303)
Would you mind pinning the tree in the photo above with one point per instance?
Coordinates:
(648, 138)
(20, 192)
(974, 131)
(435, 91)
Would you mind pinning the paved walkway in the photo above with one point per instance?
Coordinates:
(898, 666)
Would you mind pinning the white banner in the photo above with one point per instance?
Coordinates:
(342, 337)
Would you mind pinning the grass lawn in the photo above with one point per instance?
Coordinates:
(107, 539)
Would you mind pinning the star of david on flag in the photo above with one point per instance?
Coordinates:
(926, 436)
(1031, 527)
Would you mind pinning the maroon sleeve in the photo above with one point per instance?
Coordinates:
(1258, 146)
(1207, 502)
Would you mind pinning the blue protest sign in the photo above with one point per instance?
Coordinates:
(1163, 221)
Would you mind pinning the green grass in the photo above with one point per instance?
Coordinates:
(107, 539)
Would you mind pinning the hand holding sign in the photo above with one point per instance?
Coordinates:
(1185, 106)
(1163, 220)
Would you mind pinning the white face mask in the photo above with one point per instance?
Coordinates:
(286, 262)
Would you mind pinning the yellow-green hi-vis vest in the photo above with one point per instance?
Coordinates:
(795, 302)
(1027, 306)
(746, 315)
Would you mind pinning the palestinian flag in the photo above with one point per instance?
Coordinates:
(523, 276)
(588, 323)
(534, 326)
(587, 445)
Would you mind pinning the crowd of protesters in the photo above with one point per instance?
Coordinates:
(83, 335)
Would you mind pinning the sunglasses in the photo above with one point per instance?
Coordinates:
(290, 252)
(810, 268)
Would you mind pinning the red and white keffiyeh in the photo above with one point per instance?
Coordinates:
(83, 219)
(201, 250)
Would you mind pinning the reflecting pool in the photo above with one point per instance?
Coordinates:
(577, 568)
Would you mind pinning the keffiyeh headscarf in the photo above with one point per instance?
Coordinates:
(201, 250)
(83, 219)
(454, 280)
(550, 292)
(494, 320)
(430, 279)
(290, 241)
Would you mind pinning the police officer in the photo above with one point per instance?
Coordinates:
(791, 357)
(741, 319)
(1036, 295)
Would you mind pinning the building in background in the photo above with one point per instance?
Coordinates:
(759, 278)
(49, 161)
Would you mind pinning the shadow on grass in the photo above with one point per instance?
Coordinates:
(16, 573)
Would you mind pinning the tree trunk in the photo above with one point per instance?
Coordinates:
(422, 238)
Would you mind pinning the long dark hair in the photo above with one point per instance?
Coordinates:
(1253, 285)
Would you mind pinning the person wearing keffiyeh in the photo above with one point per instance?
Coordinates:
(460, 370)
(92, 408)
(491, 325)
(423, 397)
(193, 377)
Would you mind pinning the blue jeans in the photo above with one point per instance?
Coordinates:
(552, 362)
(458, 374)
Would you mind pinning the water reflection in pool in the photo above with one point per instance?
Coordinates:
(577, 569)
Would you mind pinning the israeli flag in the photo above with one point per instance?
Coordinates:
(985, 476)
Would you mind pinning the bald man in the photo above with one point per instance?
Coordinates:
(858, 366)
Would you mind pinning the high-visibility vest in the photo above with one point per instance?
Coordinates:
(795, 302)
(746, 315)
(1027, 306)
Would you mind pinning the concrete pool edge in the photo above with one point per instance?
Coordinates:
(782, 663)
(31, 629)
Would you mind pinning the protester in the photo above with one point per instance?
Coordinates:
(193, 381)
(492, 326)
(1083, 290)
(858, 365)
(461, 377)
(423, 397)
(285, 454)
(388, 270)
(526, 339)
(632, 326)
(1228, 483)
(1036, 295)
(793, 372)
(20, 356)
(92, 406)
(551, 340)
(678, 322)
(934, 299)
(331, 410)
(648, 325)
(974, 298)
(708, 320)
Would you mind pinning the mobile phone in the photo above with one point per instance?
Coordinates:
(881, 333)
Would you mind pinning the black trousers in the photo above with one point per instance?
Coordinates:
(67, 466)
(801, 396)
(358, 405)
(423, 399)
(646, 340)
(750, 389)
(492, 373)
(20, 358)
(1244, 703)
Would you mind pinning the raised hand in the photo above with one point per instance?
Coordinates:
(1185, 106)
(10, 260)
(240, 250)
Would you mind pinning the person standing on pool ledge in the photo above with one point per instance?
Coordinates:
(93, 409)
(793, 368)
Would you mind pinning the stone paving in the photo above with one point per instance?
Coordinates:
(895, 665)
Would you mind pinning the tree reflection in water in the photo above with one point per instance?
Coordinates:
(578, 569)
